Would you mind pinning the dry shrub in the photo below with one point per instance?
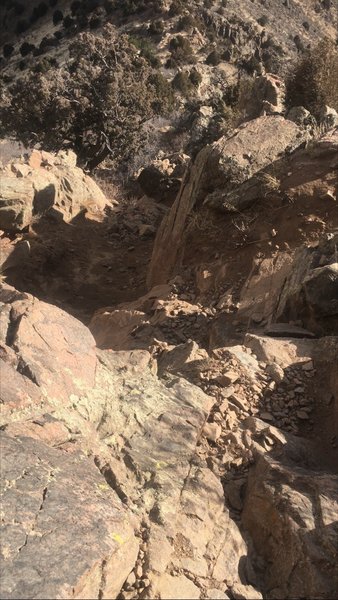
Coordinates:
(313, 83)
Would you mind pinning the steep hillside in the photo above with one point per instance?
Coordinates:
(207, 51)
(243, 34)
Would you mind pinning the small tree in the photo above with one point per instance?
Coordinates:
(213, 58)
(57, 17)
(181, 50)
(8, 50)
(313, 83)
(182, 83)
(97, 103)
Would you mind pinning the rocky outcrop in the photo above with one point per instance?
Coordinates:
(46, 183)
(310, 292)
(161, 179)
(152, 471)
(118, 468)
(291, 512)
(267, 96)
(224, 177)
(184, 445)
(16, 203)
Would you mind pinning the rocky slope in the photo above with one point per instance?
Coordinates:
(180, 442)
(169, 350)
(268, 29)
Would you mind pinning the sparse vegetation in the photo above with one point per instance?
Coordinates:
(186, 23)
(263, 20)
(147, 50)
(156, 27)
(176, 8)
(98, 103)
(270, 185)
(195, 77)
(26, 48)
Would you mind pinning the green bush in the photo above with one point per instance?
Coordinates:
(213, 58)
(195, 77)
(182, 83)
(45, 65)
(181, 50)
(186, 23)
(263, 20)
(313, 83)
(156, 27)
(147, 50)
(176, 8)
(164, 99)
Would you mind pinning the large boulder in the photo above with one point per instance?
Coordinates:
(224, 177)
(310, 292)
(236, 161)
(291, 513)
(42, 183)
(13, 253)
(53, 354)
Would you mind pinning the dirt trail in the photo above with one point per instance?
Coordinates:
(83, 265)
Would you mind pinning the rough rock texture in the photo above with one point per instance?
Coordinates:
(267, 96)
(16, 203)
(140, 433)
(13, 253)
(52, 350)
(310, 292)
(223, 176)
(65, 532)
(45, 183)
(194, 454)
(161, 179)
(291, 512)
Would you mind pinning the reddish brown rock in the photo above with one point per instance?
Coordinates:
(222, 177)
(55, 352)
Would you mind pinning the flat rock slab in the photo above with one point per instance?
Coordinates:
(287, 330)
(280, 350)
(65, 533)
